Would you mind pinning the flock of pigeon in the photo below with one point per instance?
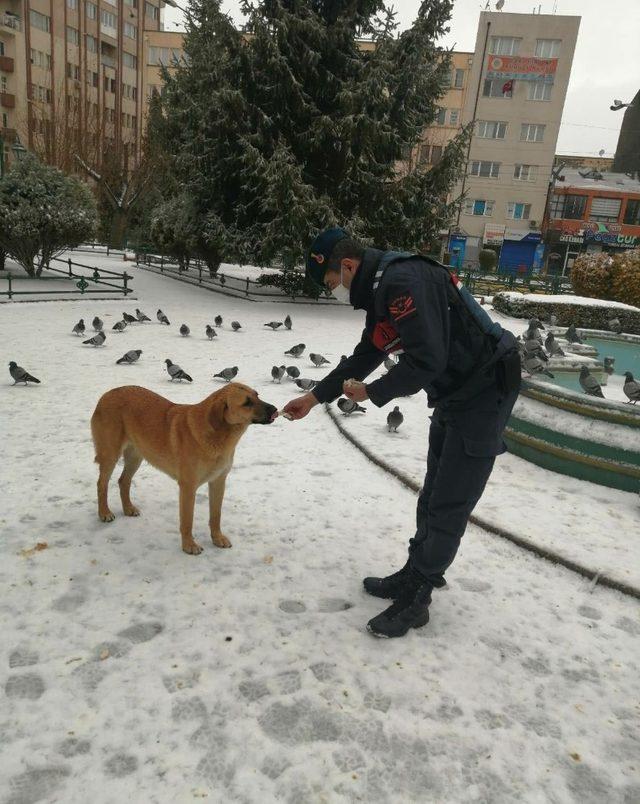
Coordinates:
(535, 352)
(176, 372)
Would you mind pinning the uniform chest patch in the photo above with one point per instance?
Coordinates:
(402, 306)
(385, 337)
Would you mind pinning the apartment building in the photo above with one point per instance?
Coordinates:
(74, 72)
(517, 84)
(161, 49)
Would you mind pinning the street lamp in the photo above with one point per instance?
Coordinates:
(618, 104)
(175, 5)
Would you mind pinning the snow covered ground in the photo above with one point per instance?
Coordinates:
(132, 671)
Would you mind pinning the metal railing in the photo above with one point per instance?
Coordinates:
(504, 279)
(10, 21)
(93, 282)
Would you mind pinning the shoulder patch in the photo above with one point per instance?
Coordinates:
(402, 306)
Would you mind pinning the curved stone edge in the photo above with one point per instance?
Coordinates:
(542, 552)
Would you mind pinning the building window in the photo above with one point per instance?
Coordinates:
(478, 206)
(571, 207)
(108, 23)
(40, 59)
(73, 71)
(92, 44)
(92, 11)
(164, 55)
(504, 45)
(130, 30)
(486, 170)
(436, 154)
(532, 132)
(497, 88)
(548, 48)
(40, 21)
(491, 130)
(1, 48)
(3, 83)
(5, 120)
(459, 79)
(632, 212)
(132, 3)
(518, 211)
(129, 60)
(605, 209)
(538, 91)
(72, 4)
(440, 117)
(153, 12)
(525, 172)
(73, 35)
(454, 114)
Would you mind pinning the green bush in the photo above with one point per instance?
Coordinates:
(293, 283)
(625, 277)
(488, 260)
(614, 277)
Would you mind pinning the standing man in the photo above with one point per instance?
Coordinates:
(468, 365)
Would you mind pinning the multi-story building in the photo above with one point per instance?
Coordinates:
(161, 49)
(590, 212)
(583, 162)
(515, 95)
(72, 75)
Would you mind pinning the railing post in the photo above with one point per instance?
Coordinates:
(199, 274)
(70, 271)
(9, 280)
(161, 263)
(107, 249)
(247, 288)
(125, 279)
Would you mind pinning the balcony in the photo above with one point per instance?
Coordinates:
(8, 134)
(9, 22)
(6, 64)
(7, 100)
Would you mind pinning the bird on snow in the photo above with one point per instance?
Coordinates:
(394, 419)
(218, 321)
(608, 365)
(553, 319)
(571, 335)
(274, 325)
(348, 406)
(589, 383)
(553, 347)
(318, 360)
(162, 318)
(532, 334)
(98, 339)
(293, 372)
(210, 332)
(297, 350)
(184, 330)
(306, 384)
(175, 372)
(536, 323)
(389, 363)
(119, 326)
(141, 316)
(79, 327)
(631, 387)
(19, 374)
(97, 324)
(615, 325)
(277, 373)
(533, 365)
(227, 374)
(130, 357)
(129, 319)
(236, 325)
(288, 322)
(534, 347)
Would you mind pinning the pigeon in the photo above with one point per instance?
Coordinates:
(130, 357)
(306, 385)
(532, 334)
(210, 332)
(97, 324)
(19, 374)
(129, 319)
(141, 316)
(227, 374)
(119, 326)
(274, 325)
(288, 322)
(394, 420)
(162, 318)
(631, 387)
(317, 360)
(534, 347)
(277, 373)
(553, 347)
(222, 279)
(79, 327)
(533, 365)
(184, 330)
(97, 340)
(615, 325)
(176, 373)
(571, 335)
(608, 365)
(389, 363)
(218, 321)
(236, 325)
(296, 351)
(348, 406)
(293, 372)
(536, 323)
(589, 383)
(553, 319)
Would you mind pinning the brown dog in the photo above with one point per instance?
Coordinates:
(193, 444)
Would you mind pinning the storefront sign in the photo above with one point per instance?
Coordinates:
(522, 234)
(493, 234)
(593, 233)
(617, 240)
(565, 238)
(523, 68)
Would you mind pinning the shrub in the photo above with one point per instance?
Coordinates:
(488, 260)
(615, 277)
(292, 282)
(625, 277)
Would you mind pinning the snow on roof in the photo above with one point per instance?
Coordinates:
(566, 298)
(612, 182)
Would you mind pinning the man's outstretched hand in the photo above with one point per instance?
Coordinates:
(300, 406)
(355, 390)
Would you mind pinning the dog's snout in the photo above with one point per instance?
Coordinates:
(268, 412)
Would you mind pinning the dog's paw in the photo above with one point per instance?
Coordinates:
(108, 517)
(193, 548)
(132, 511)
(221, 541)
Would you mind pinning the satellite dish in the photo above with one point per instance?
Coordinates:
(601, 152)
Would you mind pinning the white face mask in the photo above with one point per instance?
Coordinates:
(340, 293)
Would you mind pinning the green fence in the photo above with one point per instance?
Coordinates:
(86, 280)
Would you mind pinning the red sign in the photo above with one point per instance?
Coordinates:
(521, 64)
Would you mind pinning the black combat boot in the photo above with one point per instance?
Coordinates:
(410, 610)
(389, 587)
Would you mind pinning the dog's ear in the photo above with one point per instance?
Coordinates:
(217, 413)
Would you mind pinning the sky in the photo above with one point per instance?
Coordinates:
(606, 63)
